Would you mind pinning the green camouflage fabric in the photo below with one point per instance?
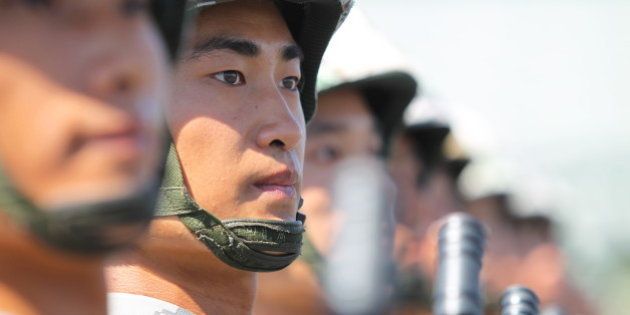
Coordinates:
(13, 203)
(87, 228)
(244, 244)
(312, 257)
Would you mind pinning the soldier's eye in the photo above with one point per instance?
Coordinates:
(291, 83)
(327, 154)
(231, 77)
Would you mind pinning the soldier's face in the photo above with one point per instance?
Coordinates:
(343, 127)
(404, 167)
(80, 89)
(419, 205)
(236, 118)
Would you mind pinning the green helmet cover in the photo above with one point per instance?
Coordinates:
(244, 244)
(171, 18)
(313, 257)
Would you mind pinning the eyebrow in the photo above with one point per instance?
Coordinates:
(317, 129)
(292, 51)
(241, 46)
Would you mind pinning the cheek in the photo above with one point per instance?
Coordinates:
(36, 150)
(208, 148)
(317, 200)
(206, 139)
(319, 176)
(196, 97)
(298, 158)
(199, 120)
(35, 122)
(210, 156)
(45, 46)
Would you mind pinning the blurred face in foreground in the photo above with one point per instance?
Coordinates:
(237, 120)
(80, 89)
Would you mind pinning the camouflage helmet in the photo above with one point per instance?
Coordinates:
(428, 140)
(169, 15)
(436, 146)
(362, 59)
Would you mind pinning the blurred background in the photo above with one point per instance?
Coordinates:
(536, 93)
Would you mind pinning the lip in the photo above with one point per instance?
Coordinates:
(283, 192)
(126, 141)
(281, 184)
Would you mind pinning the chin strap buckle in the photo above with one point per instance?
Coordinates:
(300, 217)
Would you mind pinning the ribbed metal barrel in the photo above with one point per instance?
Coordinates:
(461, 248)
(519, 300)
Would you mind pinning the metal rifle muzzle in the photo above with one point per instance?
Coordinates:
(461, 248)
(519, 300)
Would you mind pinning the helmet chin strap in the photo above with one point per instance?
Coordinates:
(246, 244)
(87, 228)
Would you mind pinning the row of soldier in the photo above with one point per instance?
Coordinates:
(154, 157)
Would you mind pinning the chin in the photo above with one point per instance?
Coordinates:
(281, 213)
(265, 211)
(93, 191)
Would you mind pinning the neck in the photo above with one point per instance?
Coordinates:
(35, 279)
(182, 271)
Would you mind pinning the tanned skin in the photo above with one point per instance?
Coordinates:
(80, 90)
(237, 121)
(343, 127)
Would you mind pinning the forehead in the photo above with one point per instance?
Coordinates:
(244, 18)
(401, 146)
(342, 103)
(346, 109)
(65, 8)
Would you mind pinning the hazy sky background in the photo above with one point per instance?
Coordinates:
(540, 87)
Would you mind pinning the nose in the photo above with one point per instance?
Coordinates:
(283, 124)
(123, 75)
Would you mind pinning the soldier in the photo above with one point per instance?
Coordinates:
(522, 249)
(355, 118)
(425, 164)
(243, 94)
(82, 84)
